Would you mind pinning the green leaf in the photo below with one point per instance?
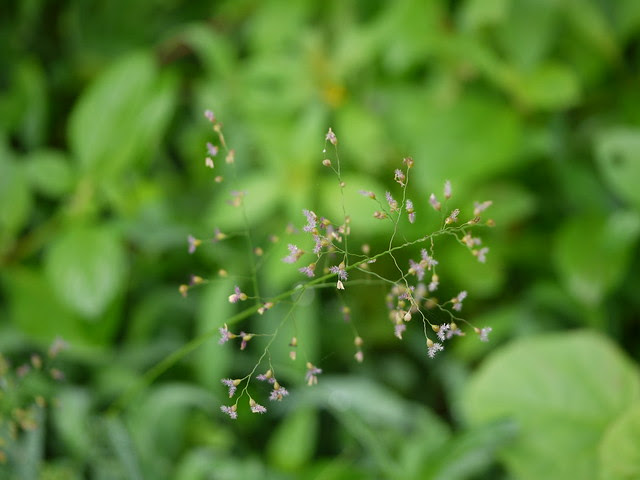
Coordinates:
(15, 196)
(618, 157)
(35, 309)
(619, 452)
(72, 419)
(552, 86)
(49, 172)
(120, 118)
(122, 445)
(86, 267)
(564, 390)
(292, 444)
(591, 253)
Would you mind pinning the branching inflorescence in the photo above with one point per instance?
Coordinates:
(331, 260)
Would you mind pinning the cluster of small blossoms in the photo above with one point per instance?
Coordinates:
(405, 301)
(24, 390)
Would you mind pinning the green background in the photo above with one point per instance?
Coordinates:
(534, 104)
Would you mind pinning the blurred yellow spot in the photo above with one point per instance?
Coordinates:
(335, 95)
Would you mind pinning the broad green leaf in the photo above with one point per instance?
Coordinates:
(591, 254)
(564, 391)
(619, 452)
(49, 172)
(618, 157)
(120, 118)
(86, 267)
(293, 444)
(465, 140)
(35, 309)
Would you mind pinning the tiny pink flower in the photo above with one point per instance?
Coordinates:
(399, 177)
(433, 201)
(232, 384)
(256, 407)
(457, 301)
(309, 270)
(209, 115)
(237, 296)
(340, 271)
(212, 149)
(231, 411)
(294, 254)
(312, 220)
(410, 211)
(193, 243)
(447, 189)
(478, 207)
(481, 254)
(484, 333)
(433, 348)
(225, 334)
(398, 329)
(311, 377)
(393, 205)
(278, 392)
(442, 331)
(331, 137)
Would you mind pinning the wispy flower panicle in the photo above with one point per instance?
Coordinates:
(481, 254)
(399, 177)
(435, 281)
(245, 339)
(266, 377)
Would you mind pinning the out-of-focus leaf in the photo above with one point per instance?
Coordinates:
(212, 360)
(120, 118)
(466, 140)
(564, 390)
(619, 453)
(72, 421)
(123, 447)
(15, 196)
(292, 444)
(49, 172)
(31, 88)
(549, 87)
(528, 31)
(468, 453)
(591, 253)
(476, 14)
(158, 443)
(36, 310)
(618, 157)
(86, 267)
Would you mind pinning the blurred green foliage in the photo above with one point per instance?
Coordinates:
(531, 103)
